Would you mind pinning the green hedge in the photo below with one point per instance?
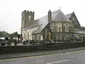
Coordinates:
(35, 48)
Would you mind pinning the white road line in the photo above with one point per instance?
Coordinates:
(59, 61)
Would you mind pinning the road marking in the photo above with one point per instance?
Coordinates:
(59, 61)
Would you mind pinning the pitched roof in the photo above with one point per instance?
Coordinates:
(42, 22)
(39, 29)
(59, 16)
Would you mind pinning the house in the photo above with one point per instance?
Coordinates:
(55, 25)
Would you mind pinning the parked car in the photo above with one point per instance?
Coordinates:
(3, 41)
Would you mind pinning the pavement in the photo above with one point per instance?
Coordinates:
(29, 54)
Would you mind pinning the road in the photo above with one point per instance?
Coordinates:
(73, 57)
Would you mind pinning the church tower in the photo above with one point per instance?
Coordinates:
(27, 17)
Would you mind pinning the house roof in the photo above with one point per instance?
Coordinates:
(39, 29)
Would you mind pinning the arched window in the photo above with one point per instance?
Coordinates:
(56, 28)
(63, 29)
(70, 28)
(29, 18)
(45, 33)
(59, 29)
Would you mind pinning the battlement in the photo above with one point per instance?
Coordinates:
(27, 17)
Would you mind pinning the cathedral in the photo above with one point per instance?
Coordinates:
(54, 26)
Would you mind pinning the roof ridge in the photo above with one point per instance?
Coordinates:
(55, 11)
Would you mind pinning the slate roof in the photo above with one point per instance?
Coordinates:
(59, 16)
(39, 29)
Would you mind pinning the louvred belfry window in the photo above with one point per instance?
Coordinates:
(29, 18)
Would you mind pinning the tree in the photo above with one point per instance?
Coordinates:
(15, 34)
(15, 38)
(4, 34)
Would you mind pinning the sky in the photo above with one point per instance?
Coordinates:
(10, 11)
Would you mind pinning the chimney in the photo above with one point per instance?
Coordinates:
(49, 15)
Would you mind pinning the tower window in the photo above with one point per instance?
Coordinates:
(29, 17)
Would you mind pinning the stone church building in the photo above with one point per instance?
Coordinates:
(55, 25)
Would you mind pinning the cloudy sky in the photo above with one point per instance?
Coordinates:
(10, 11)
